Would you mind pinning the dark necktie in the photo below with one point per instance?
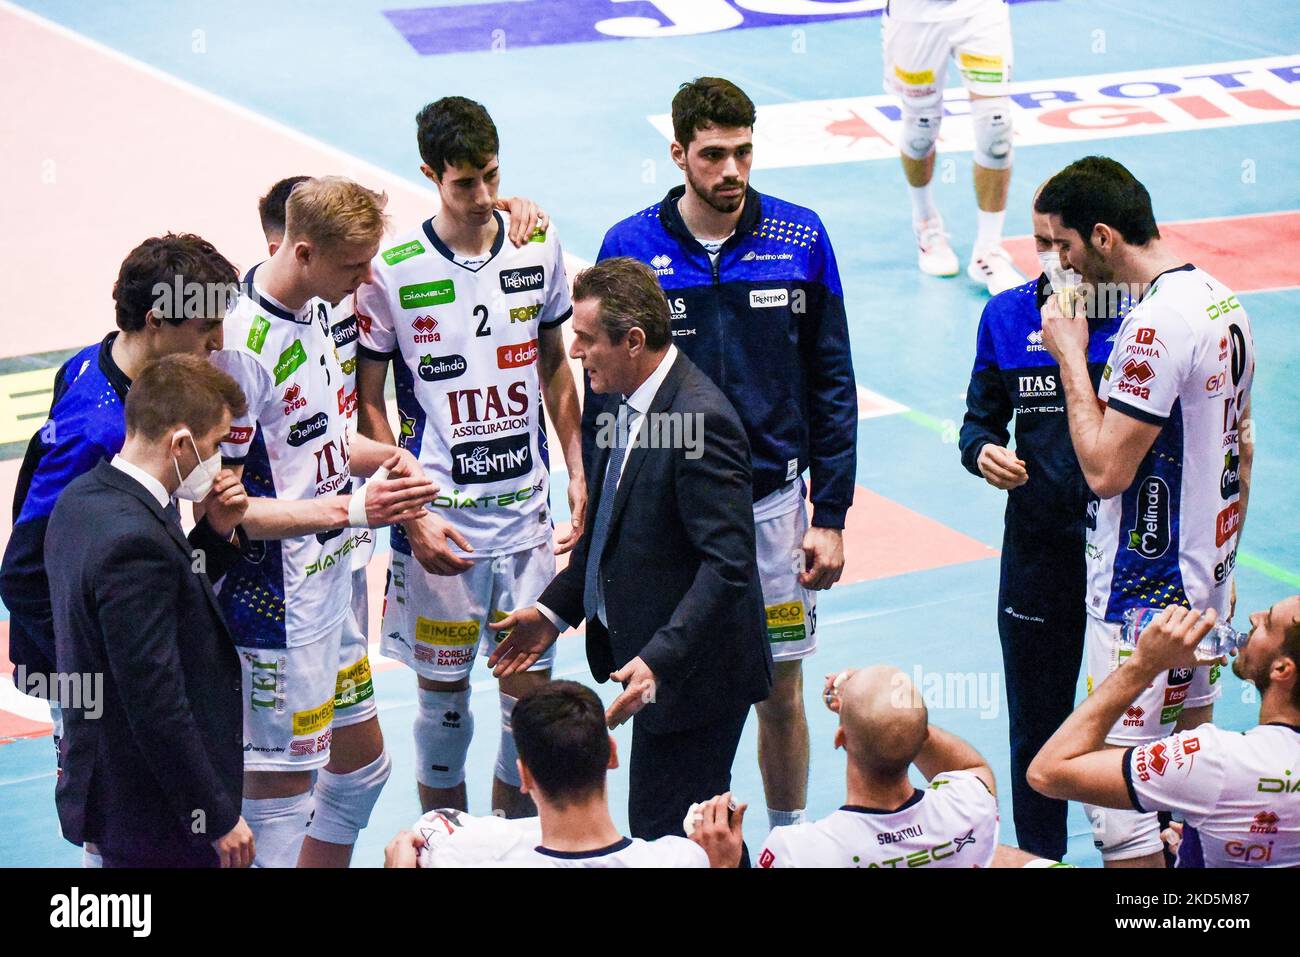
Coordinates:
(604, 511)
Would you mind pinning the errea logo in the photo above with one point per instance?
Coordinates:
(1035, 341)
(662, 265)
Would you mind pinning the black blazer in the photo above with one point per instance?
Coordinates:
(680, 573)
(129, 605)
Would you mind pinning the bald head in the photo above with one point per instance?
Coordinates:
(883, 719)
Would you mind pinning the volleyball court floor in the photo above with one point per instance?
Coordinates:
(126, 120)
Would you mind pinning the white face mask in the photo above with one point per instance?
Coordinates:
(196, 486)
(1057, 276)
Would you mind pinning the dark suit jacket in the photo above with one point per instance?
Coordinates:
(130, 607)
(679, 568)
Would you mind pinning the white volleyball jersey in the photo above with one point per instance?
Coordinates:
(343, 330)
(1239, 793)
(952, 823)
(626, 852)
(1184, 360)
(456, 839)
(293, 444)
(929, 11)
(464, 340)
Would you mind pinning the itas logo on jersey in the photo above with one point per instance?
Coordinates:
(293, 399)
(1152, 532)
(523, 280)
(332, 471)
(485, 412)
(493, 460)
(1226, 524)
(518, 355)
(1136, 375)
(1230, 478)
(662, 265)
(424, 327)
(303, 432)
(1037, 386)
(433, 369)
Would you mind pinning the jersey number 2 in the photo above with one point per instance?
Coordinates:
(483, 328)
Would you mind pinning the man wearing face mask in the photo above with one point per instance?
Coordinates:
(152, 760)
(1040, 597)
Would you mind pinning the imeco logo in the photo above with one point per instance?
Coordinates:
(436, 293)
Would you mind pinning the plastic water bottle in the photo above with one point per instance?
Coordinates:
(1221, 639)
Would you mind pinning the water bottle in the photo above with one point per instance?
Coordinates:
(1220, 641)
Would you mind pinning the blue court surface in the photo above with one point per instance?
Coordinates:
(161, 115)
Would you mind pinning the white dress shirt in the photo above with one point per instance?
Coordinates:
(151, 484)
(638, 404)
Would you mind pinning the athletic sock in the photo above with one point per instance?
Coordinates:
(923, 207)
(785, 818)
(989, 231)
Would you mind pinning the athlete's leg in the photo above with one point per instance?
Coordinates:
(444, 727)
(507, 799)
(349, 785)
(783, 745)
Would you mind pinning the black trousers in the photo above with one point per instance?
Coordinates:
(670, 772)
(127, 853)
(1041, 620)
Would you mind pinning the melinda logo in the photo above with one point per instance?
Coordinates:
(1151, 532)
(436, 293)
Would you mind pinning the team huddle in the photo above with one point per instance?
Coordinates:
(1128, 485)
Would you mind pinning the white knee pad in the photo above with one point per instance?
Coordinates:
(444, 727)
(1121, 835)
(920, 129)
(343, 802)
(278, 826)
(507, 770)
(991, 121)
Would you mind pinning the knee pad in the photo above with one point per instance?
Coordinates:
(278, 826)
(343, 802)
(507, 770)
(990, 119)
(444, 726)
(920, 129)
(1121, 834)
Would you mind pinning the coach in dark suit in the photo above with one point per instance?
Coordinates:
(665, 573)
(152, 762)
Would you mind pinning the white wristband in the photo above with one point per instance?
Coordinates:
(357, 517)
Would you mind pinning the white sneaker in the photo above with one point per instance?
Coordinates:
(933, 254)
(993, 268)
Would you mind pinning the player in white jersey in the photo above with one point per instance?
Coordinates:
(471, 326)
(1164, 444)
(886, 821)
(1234, 790)
(564, 754)
(287, 602)
(919, 38)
